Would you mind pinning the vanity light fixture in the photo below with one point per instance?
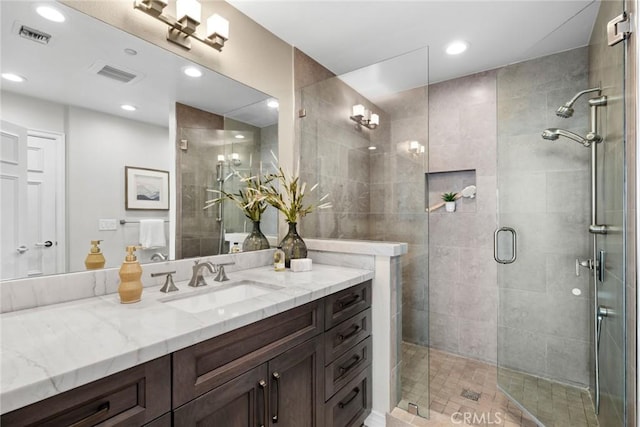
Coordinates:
(184, 26)
(239, 136)
(364, 117)
(416, 148)
(220, 158)
(128, 107)
(372, 148)
(13, 77)
(51, 14)
(235, 159)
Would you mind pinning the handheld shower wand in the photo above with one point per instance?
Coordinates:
(552, 134)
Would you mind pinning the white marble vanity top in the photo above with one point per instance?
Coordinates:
(52, 349)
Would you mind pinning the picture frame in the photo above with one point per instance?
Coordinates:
(146, 189)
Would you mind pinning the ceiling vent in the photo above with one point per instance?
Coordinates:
(116, 74)
(34, 35)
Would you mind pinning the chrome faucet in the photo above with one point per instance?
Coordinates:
(158, 256)
(196, 278)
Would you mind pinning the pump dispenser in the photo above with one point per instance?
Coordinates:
(130, 288)
(95, 260)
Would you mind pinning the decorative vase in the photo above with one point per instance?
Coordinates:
(293, 246)
(256, 240)
(450, 206)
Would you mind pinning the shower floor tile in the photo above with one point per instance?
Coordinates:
(555, 405)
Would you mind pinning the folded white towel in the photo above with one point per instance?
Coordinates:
(152, 233)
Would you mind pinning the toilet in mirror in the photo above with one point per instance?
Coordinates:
(107, 138)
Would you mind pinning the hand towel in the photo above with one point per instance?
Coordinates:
(152, 233)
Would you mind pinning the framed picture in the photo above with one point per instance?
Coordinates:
(146, 189)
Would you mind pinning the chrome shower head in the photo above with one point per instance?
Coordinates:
(552, 134)
(565, 111)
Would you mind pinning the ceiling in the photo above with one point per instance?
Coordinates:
(65, 70)
(345, 36)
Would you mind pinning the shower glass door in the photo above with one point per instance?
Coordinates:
(547, 300)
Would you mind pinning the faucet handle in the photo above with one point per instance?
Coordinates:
(168, 286)
(222, 275)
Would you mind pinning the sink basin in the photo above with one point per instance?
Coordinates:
(211, 298)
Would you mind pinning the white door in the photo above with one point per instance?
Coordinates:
(13, 198)
(42, 173)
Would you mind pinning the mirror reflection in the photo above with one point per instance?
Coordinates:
(81, 101)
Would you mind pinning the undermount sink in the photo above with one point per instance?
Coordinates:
(210, 298)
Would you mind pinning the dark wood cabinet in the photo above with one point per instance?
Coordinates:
(132, 397)
(284, 392)
(296, 386)
(241, 402)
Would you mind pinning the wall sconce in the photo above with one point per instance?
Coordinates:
(416, 148)
(364, 117)
(184, 26)
(235, 159)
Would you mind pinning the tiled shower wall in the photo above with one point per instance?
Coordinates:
(543, 327)
(196, 230)
(463, 296)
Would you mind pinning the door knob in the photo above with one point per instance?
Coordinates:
(46, 244)
(22, 249)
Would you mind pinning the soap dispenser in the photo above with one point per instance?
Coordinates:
(95, 260)
(130, 288)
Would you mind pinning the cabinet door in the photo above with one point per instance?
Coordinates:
(238, 403)
(296, 383)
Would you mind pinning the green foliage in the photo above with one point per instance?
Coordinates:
(449, 197)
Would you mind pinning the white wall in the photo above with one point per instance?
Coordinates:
(99, 146)
(32, 113)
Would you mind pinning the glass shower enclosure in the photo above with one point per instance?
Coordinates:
(560, 237)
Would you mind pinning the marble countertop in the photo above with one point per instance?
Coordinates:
(55, 348)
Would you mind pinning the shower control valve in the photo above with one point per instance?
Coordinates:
(586, 263)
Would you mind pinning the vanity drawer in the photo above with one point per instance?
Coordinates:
(344, 304)
(352, 404)
(207, 365)
(346, 367)
(348, 333)
(132, 397)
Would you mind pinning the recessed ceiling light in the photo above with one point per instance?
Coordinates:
(128, 107)
(50, 13)
(130, 51)
(240, 136)
(273, 104)
(456, 47)
(192, 72)
(13, 77)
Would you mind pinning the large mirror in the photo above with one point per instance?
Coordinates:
(68, 137)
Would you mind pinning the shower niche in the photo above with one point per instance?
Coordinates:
(462, 182)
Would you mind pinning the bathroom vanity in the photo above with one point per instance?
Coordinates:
(306, 362)
(65, 336)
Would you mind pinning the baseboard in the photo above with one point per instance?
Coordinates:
(375, 419)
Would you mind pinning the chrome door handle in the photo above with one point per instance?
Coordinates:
(514, 243)
(22, 249)
(46, 244)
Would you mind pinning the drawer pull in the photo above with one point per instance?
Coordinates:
(347, 301)
(344, 369)
(276, 378)
(263, 386)
(93, 418)
(354, 393)
(356, 329)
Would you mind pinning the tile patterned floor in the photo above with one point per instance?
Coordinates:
(555, 405)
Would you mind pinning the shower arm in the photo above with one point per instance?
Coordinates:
(579, 94)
